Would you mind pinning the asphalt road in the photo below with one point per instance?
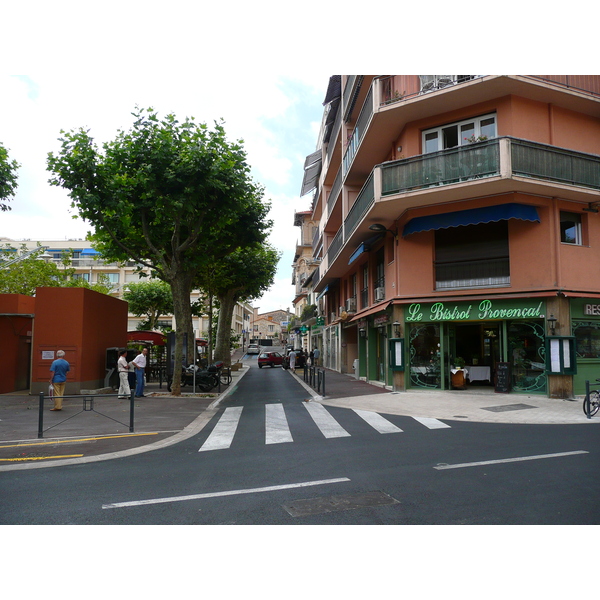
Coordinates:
(270, 457)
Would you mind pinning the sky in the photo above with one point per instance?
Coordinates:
(277, 117)
(265, 73)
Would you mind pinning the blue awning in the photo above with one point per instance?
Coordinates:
(364, 247)
(323, 292)
(473, 216)
(89, 252)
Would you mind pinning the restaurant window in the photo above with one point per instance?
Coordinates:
(472, 256)
(570, 228)
(459, 134)
(587, 339)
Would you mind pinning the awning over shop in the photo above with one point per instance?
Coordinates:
(370, 311)
(89, 252)
(473, 216)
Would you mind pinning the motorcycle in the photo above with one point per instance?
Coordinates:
(206, 379)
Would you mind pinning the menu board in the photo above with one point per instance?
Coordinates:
(502, 378)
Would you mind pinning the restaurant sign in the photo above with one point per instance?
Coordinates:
(485, 310)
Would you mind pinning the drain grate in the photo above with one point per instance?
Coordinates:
(506, 407)
(319, 506)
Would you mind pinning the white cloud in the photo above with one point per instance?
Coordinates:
(276, 116)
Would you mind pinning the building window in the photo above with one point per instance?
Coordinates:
(113, 278)
(472, 256)
(587, 339)
(459, 134)
(364, 292)
(570, 228)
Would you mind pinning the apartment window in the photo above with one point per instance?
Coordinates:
(364, 292)
(113, 277)
(570, 228)
(472, 256)
(459, 134)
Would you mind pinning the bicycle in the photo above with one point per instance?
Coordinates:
(591, 403)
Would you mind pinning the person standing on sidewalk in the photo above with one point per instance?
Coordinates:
(316, 354)
(59, 369)
(123, 368)
(139, 363)
(292, 357)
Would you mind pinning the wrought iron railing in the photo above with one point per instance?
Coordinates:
(359, 130)
(363, 202)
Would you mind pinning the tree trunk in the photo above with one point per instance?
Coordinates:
(223, 349)
(181, 288)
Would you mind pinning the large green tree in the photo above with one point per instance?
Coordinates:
(173, 196)
(150, 299)
(243, 275)
(8, 178)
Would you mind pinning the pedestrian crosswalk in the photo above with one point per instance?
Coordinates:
(277, 428)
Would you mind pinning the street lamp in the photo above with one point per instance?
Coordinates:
(381, 229)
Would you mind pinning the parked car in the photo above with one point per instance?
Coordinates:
(269, 359)
(253, 349)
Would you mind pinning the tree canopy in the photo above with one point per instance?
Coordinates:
(242, 275)
(8, 178)
(150, 299)
(173, 196)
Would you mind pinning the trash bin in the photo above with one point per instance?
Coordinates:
(355, 367)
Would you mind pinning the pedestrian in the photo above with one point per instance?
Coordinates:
(292, 356)
(123, 368)
(59, 369)
(312, 358)
(316, 354)
(139, 363)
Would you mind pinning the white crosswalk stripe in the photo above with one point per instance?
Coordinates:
(431, 423)
(277, 430)
(276, 425)
(378, 422)
(329, 427)
(222, 435)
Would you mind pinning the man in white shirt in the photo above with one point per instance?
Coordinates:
(139, 362)
(123, 368)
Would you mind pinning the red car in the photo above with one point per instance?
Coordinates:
(271, 359)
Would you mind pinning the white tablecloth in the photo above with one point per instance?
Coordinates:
(479, 373)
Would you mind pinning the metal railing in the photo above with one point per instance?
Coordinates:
(474, 161)
(87, 406)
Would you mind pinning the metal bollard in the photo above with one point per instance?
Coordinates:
(41, 417)
(586, 400)
(131, 404)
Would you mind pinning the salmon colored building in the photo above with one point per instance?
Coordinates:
(16, 332)
(84, 324)
(459, 232)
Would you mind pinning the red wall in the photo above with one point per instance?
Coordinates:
(84, 324)
(15, 341)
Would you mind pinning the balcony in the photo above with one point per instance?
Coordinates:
(500, 165)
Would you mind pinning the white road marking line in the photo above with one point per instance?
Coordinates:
(431, 423)
(271, 488)
(509, 460)
(379, 423)
(222, 435)
(329, 427)
(277, 430)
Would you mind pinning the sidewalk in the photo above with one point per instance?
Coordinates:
(477, 404)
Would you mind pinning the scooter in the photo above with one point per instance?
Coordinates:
(206, 379)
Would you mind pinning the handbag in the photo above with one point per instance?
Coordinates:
(50, 390)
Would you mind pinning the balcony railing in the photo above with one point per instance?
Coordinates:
(488, 272)
(474, 161)
(359, 130)
(555, 164)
